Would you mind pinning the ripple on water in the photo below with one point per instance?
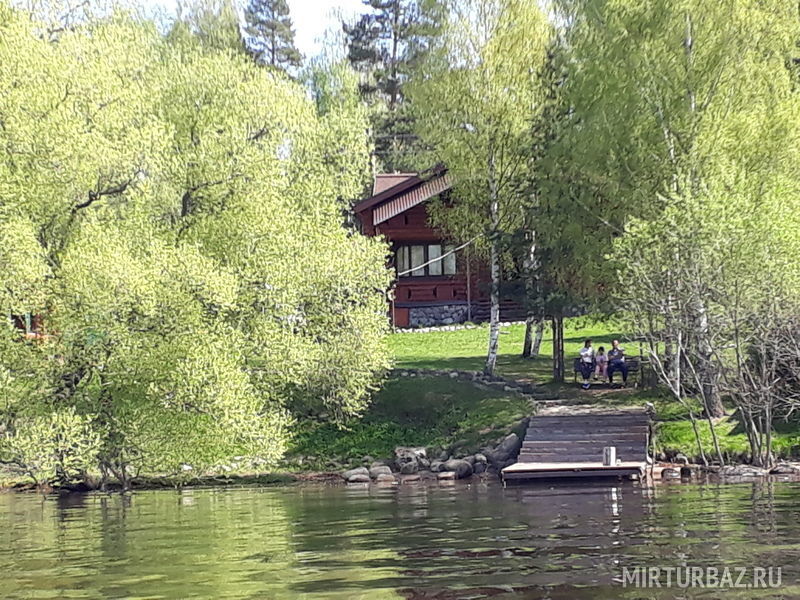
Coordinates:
(470, 541)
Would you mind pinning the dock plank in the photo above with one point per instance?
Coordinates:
(568, 442)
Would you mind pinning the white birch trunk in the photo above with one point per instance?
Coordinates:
(494, 314)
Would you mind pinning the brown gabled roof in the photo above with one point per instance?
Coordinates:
(406, 185)
(384, 181)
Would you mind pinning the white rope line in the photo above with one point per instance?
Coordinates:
(438, 258)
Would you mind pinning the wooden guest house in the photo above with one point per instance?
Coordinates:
(436, 284)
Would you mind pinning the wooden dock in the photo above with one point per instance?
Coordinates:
(568, 441)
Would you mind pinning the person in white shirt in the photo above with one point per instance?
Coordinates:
(587, 363)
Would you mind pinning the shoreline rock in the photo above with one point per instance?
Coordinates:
(742, 471)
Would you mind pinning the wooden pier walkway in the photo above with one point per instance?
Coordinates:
(568, 441)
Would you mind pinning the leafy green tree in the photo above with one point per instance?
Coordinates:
(347, 150)
(682, 122)
(182, 239)
(270, 37)
(474, 102)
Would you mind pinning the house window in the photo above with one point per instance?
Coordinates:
(29, 324)
(412, 260)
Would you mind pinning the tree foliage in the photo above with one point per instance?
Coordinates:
(213, 24)
(173, 212)
(680, 186)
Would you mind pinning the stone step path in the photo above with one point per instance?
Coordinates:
(568, 441)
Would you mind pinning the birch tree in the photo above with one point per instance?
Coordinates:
(476, 96)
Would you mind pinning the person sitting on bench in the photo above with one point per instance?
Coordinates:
(587, 363)
(616, 362)
(601, 360)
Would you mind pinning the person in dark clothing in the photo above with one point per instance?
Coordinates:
(616, 362)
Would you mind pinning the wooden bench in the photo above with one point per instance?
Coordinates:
(634, 368)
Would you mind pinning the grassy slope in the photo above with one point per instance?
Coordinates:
(438, 411)
(418, 411)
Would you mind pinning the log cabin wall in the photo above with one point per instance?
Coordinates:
(430, 299)
(425, 299)
(412, 228)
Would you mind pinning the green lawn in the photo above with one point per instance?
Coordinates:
(466, 349)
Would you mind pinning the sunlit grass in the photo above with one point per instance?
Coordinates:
(466, 349)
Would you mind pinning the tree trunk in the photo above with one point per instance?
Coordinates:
(558, 348)
(709, 390)
(527, 343)
(534, 331)
(530, 268)
(537, 340)
(494, 315)
(395, 42)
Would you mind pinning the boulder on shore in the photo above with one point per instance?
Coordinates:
(461, 468)
(742, 471)
(506, 450)
(353, 472)
(670, 473)
(377, 470)
(358, 478)
(785, 469)
(409, 468)
(405, 455)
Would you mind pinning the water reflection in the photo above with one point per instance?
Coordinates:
(450, 542)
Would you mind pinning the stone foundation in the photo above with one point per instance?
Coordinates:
(446, 314)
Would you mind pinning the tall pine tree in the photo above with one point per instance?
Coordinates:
(385, 45)
(270, 37)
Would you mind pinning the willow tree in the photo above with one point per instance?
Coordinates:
(475, 98)
(683, 119)
(181, 238)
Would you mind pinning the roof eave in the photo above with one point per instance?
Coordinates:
(404, 186)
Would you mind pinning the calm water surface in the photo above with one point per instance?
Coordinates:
(461, 541)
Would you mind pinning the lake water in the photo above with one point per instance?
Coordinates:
(434, 542)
